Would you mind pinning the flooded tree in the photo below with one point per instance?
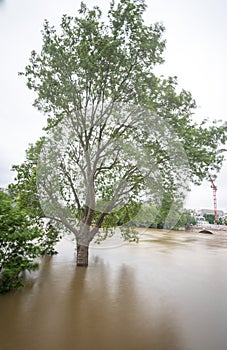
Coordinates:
(116, 133)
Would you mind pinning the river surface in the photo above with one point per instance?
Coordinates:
(169, 292)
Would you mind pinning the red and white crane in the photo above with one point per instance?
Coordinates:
(214, 188)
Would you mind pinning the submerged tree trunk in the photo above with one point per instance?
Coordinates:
(82, 255)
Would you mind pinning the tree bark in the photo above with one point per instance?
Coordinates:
(82, 255)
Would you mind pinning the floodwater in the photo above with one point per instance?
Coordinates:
(169, 292)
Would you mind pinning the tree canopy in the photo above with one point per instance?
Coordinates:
(116, 133)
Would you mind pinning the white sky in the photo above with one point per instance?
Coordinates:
(196, 33)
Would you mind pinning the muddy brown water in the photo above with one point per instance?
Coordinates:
(167, 292)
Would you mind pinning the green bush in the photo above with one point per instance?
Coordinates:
(22, 241)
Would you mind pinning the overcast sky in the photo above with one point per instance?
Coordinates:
(196, 33)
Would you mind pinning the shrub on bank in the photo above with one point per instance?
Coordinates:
(22, 241)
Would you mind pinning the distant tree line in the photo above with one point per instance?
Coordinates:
(210, 219)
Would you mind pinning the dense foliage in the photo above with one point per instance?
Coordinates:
(22, 241)
(209, 218)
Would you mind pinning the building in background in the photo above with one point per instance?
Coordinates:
(2, 189)
(210, 211)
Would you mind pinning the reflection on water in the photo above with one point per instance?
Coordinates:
(168, 292)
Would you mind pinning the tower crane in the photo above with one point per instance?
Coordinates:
(214, 188)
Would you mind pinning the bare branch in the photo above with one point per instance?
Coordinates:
(103, 168)
(62, 219)
(62, 165)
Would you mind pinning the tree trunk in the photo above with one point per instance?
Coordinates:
(82, 255)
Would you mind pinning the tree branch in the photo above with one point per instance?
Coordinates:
(62, 165)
